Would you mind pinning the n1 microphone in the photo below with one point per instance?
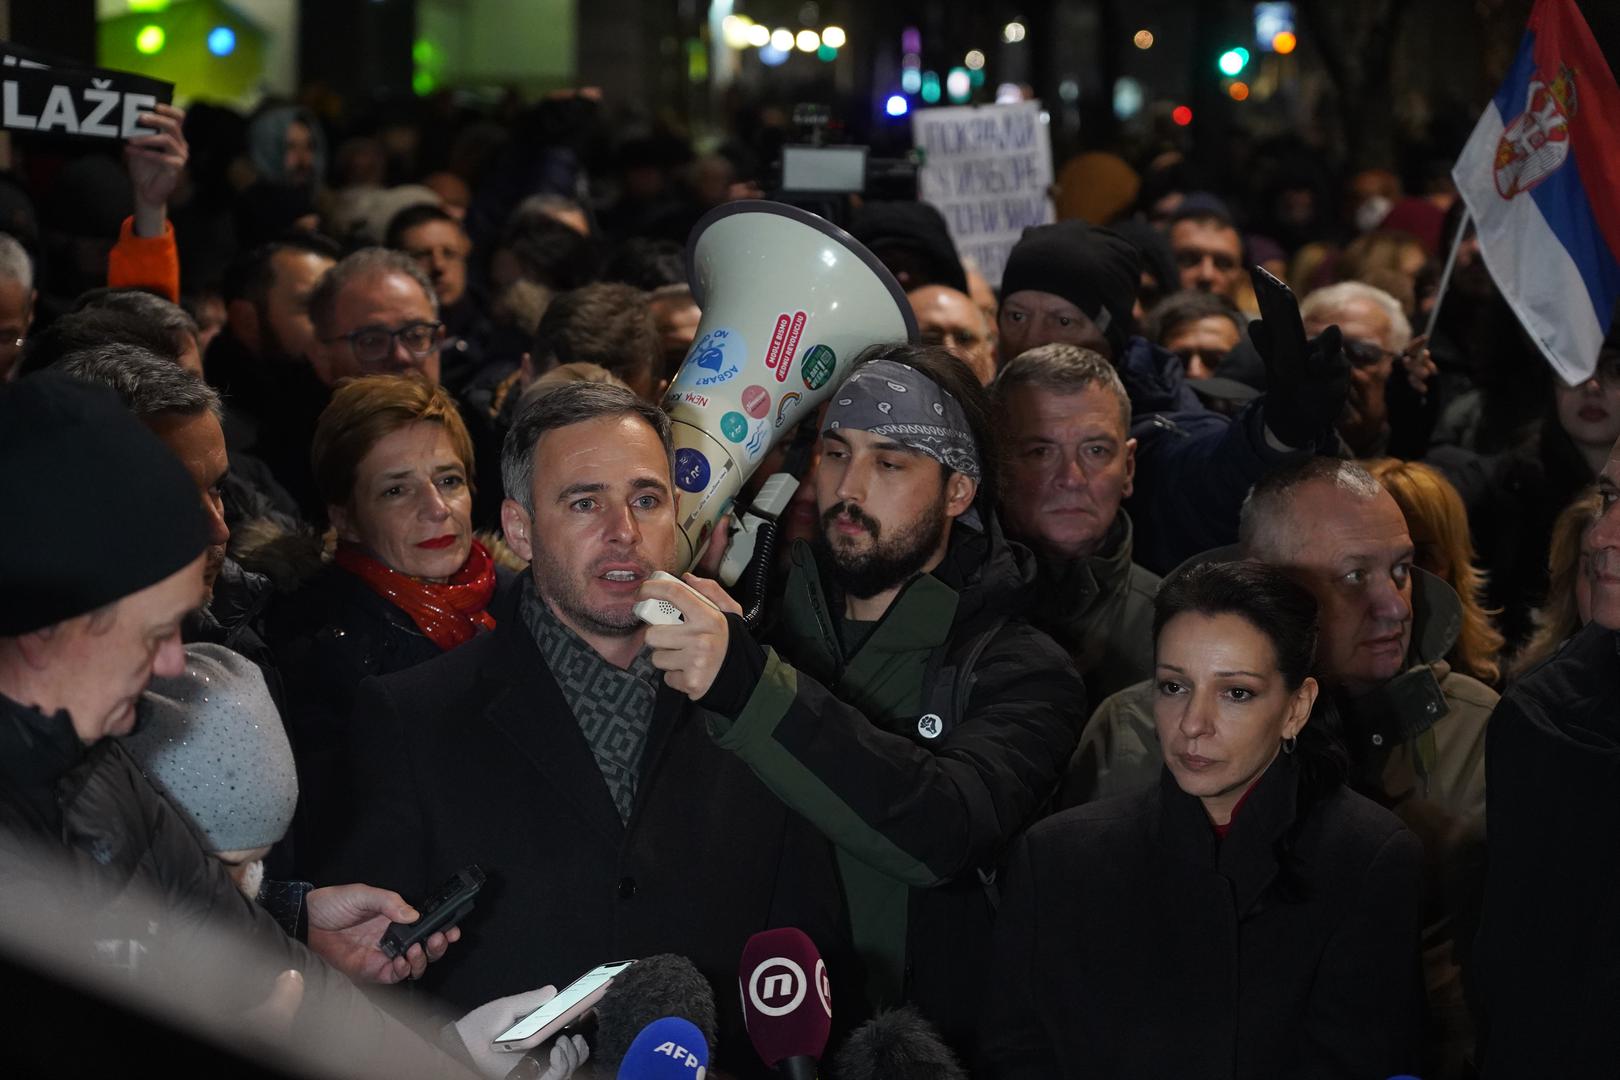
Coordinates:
(898, 1045)
(786, 1000)
(667, 1049)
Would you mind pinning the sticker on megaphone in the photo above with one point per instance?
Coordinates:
(789, 301)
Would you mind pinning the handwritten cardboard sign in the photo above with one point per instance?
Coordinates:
(988, 169)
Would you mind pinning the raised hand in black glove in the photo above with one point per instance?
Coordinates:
(1307, 382)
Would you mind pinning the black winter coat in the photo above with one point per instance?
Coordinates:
(328, 637)
(1549, 950)
(475, 757)
(1133, 944)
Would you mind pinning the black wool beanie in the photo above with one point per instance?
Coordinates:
(97, 507)
(917, 230)
(1094, 269)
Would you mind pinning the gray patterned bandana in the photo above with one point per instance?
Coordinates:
(613, 707)
(897, 402)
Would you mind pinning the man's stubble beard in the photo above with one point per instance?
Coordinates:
(558, 587)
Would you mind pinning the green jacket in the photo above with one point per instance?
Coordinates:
(920, 799)
(1101, 610)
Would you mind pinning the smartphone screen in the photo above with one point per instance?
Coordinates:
(570, 997)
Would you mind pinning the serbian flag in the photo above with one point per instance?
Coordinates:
(1541, 179)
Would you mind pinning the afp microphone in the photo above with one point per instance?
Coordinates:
(786, 1000)
(658, 986)
(667, 1049)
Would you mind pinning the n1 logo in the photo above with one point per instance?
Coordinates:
(777, 986)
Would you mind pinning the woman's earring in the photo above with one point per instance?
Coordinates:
(1289, 744)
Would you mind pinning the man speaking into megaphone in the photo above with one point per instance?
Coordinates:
(953, 718)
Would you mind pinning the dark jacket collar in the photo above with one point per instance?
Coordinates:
(1412, 702)
(1155, 379)
(240, 598)
(1248, 856)
(521, 699)
(1077, 583)
(36, 752)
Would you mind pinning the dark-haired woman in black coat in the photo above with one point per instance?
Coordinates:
(1248, 917)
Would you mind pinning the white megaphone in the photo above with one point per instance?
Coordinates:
(789, 301)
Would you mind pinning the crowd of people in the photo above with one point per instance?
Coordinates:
(1142, 659)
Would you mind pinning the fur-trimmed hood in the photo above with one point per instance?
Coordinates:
(291, 558)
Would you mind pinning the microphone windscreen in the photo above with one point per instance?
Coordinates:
(787, 1003)
(666, 1049)
(662, 985)
(896, 1045)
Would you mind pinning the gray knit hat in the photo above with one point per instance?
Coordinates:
(212, 741)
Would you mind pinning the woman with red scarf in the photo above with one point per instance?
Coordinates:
(406, 580)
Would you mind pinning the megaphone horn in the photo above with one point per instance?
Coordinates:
(789, 301)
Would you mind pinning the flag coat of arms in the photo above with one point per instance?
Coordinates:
(1541, 180)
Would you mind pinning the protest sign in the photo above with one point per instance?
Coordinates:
(43, 94)
(988, 169)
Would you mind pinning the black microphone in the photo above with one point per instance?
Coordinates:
(896, 1045)
(652, 989)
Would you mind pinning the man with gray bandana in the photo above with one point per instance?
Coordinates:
(906, 708)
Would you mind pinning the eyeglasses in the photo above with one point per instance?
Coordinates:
(373, 343)
(1210, 358)
(1365, 354)
(1187, 258)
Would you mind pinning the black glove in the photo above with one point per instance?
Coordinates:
(1307, 382)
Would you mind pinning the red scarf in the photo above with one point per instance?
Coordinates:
(449, 613)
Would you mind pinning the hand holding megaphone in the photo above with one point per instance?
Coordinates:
(687, 629)
(789, 301)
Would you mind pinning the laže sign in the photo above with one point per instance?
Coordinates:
(41, 94)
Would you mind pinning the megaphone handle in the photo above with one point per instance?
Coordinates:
(757, 578)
